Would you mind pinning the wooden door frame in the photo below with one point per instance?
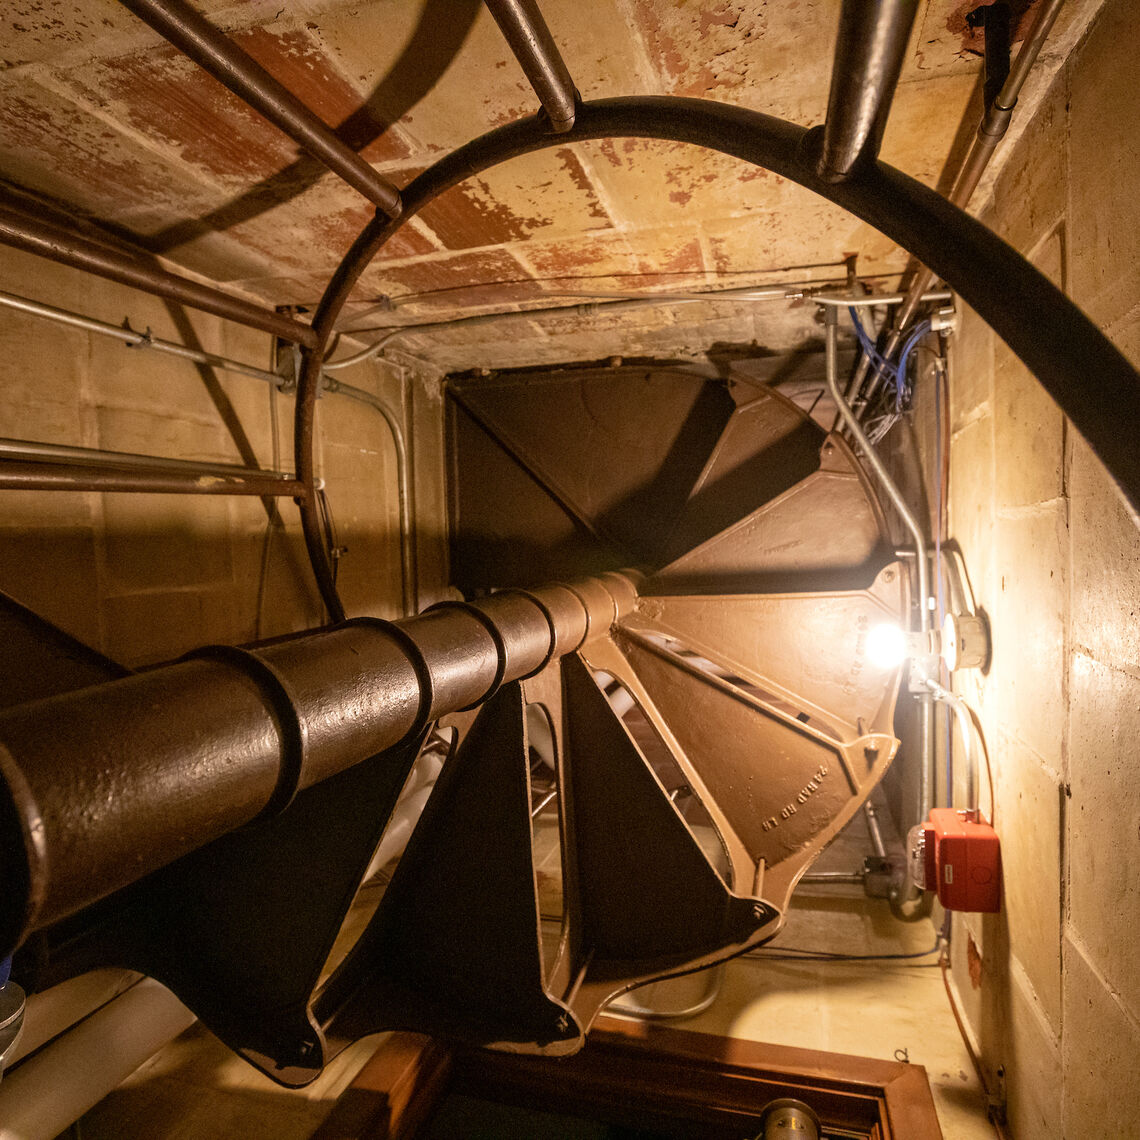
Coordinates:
(639, 1073)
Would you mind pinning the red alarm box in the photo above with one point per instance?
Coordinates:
(959, 857)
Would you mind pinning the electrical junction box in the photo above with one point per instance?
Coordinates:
(957, 856)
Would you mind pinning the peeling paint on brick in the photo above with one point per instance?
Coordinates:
(52, 146)
(479, 277)
(632, 261)
(138, 135)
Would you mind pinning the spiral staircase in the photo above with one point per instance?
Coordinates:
(761, 565)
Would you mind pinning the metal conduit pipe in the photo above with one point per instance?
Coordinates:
(147, 340)
(869, 52)
(627, 303)
(831, 326)
(966, 727)
(871, 300)
(624, 302)
(991, 130)
(404, 490)
(526, 33)
(852, 878)
(227, 735)
(33, 235)
(132, 338)
(218, 55)
(922, 570)
(873, 827)
(388, 304)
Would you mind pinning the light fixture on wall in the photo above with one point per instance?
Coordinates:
(887, 646)
(962, 643)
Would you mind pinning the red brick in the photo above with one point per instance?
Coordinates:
(482, 277)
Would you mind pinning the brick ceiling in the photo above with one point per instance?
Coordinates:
(98, 113)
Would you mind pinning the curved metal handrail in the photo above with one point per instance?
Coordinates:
(1050, 334)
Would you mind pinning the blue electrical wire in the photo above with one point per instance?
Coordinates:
(870, 351)
(920, 330)
(895, 375)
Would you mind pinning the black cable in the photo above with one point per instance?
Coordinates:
(333, 548)
(796, 954)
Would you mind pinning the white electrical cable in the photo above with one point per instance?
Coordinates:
(48, 1092)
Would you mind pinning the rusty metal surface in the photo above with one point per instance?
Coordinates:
(123, 778)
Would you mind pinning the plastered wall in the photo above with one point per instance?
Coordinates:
(1051, 985)
(146, 577)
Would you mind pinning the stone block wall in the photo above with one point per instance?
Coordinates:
(146, 577)
(1051, 985)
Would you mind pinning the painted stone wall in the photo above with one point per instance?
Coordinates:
(1051, 986)
(147, 577)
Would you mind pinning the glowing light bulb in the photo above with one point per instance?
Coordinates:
(886, 646)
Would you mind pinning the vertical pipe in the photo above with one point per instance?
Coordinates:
(218, 55)
(922, 569)
(869, 52)
(529, 38)
(876, 833)
(831, 325)
(991, 130)
(404, 492)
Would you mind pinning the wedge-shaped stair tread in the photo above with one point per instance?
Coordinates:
(777, 788)
(815, 534)
(645, 899)
(807, 649)
(619, 449)
(767, 447)
(508, 530)
(456, 937)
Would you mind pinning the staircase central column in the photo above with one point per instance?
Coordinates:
(107, 784)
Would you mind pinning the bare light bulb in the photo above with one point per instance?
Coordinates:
(886, 646)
